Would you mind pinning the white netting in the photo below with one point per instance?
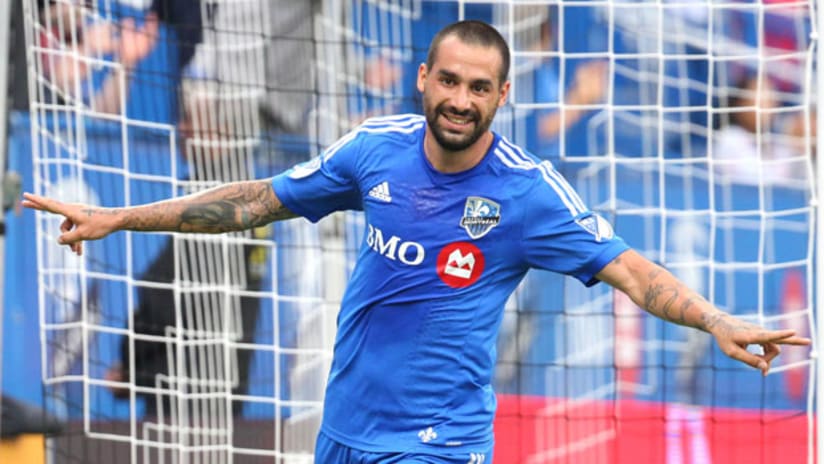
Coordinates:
(688, 124)
(699, 150)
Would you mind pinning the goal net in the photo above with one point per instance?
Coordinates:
(689, 125)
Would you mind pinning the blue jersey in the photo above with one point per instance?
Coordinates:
(415, 347)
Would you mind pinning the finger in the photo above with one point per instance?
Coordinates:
(778, 334)
(31, 200)
(783, 337)
(757, 335)
(771, 350)
(799, 341)
(66, 225)
(70, 238)
(127, 24)
(34, 198)
(76, 248)
(739, 353)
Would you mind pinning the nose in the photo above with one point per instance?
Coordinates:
(460, 99)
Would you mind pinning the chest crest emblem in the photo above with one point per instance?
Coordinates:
(480, 216)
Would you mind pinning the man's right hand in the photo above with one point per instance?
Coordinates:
(82, 222)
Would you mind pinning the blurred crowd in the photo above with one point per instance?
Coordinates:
(253, 87)
(563, 79)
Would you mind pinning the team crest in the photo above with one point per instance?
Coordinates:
(480, 216)
(597, 226)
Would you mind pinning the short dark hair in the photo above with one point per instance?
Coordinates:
(472, 32)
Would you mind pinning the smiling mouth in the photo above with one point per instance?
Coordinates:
(458, 120)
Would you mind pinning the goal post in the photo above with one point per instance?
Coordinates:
(819, 257)
(688, 125)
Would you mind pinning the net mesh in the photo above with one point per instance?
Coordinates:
(689, 125)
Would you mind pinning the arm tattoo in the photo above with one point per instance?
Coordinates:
(655, 273)
(709, 321)
(669, 296)
(218, 216)
(663, 298)
(92, 211)
(682, 316)
(723, 322)
(663, 295)
(234, 206)
(229, 207)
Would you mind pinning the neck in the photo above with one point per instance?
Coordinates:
(448, 161)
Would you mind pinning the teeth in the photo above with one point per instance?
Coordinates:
(456, 120)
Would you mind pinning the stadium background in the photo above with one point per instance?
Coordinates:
(564, 395)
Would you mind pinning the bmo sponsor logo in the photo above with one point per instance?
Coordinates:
(460, 264)
(394, 248)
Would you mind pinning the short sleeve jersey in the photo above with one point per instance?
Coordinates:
(415, 347)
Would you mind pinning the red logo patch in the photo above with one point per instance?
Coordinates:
(460, 264)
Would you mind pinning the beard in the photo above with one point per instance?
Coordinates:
(453, 141)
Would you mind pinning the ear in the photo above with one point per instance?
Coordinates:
(504, 94)
(422, 72)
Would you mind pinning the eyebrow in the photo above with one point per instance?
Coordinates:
(454, 76)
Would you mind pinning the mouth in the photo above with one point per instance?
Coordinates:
(459, 122)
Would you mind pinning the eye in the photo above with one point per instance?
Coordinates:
(447, 81)
(480, 88)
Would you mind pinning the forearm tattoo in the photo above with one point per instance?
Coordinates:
(709, 321)
(659, 296)
(722, 322)
(669, 298)
(230, 207)
(91, 211)
(233, 207)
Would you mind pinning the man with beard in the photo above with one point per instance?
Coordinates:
(455, 216)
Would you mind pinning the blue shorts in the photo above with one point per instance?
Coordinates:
(328, 451)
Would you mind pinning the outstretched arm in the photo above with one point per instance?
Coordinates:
(655, 289)
(229, 207)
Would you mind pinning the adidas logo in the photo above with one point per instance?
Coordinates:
(381, 192)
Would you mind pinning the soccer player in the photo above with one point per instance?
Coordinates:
(455, 216)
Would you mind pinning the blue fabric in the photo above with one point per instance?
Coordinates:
(415, 347)
(329, 451)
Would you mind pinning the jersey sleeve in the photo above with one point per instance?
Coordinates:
(324, 184)
(562, 235)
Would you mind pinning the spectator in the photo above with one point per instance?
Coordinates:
(544, 128)
(589, 86)
(78, 36)
(749, 148)
(74, 36)
(225, 116)
(155, 314)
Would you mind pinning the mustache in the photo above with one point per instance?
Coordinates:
(451, 110)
